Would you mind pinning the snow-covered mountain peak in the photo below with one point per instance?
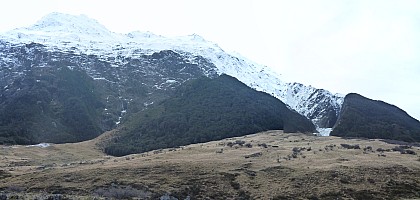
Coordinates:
(70, 24)
(62, 31)
(196, 37)
(85, 35)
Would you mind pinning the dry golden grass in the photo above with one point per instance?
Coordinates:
(326, 171)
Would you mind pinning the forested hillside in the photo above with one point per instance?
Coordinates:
(203, 110)
(363, 117)
(50, 105)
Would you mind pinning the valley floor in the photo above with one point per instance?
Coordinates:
(267, 165)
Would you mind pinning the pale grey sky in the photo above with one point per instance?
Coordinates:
(371, 47)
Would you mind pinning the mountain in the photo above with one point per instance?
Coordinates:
(37, 85)
(84, 36)
(203, 110)
(363, 117)
(65, 66)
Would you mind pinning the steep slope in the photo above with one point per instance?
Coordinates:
(84, 36)
(319, 105)
(50, 105)
(203, 110)
(38, 87)
(363, 117)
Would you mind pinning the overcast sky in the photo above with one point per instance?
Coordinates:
(371, 47)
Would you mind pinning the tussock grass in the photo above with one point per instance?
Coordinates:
(285, 166)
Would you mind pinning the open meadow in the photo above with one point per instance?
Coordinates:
(267, 165)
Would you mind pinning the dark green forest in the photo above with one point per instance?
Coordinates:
(50, 105)
(203, 110)
(363, 117)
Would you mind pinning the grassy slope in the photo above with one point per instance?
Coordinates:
(327, 171)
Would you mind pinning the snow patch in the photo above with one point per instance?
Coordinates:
(41, 145)
(324, 131)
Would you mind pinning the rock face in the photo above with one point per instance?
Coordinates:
(363, 117)
(319, 105)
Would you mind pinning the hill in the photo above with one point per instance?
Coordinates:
(202, 110)
(363, 117)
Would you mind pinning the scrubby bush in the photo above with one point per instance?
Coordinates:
(121, 192)
(367, 148)
(408, 151)
(349, 146)
(248, 145)
(254, 155)
(57, 197)
(404, 149)
(240, 142)
(296, 149)
(3, 196)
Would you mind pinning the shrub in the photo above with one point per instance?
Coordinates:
(57, 197)
(121, 192)
(408, 151)
(254, 155)
(403, 149)
(349, 146)
(296, 149)
(240, 142)
(264, 145)
(368, 148)
(248, 145)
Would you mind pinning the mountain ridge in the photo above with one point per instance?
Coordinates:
(303, 99)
